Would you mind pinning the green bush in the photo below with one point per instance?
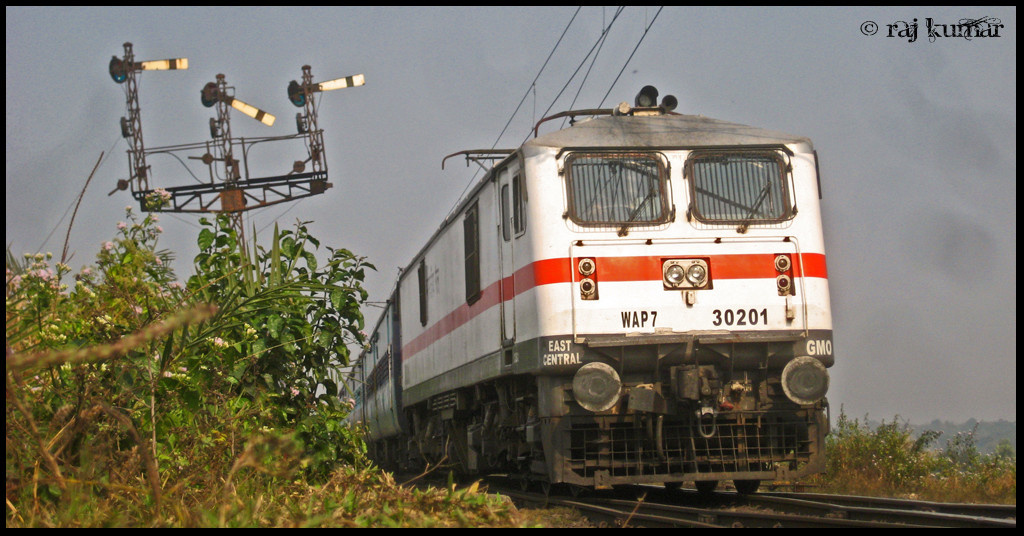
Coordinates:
(135, 401)
(129, 380)
(888, 461)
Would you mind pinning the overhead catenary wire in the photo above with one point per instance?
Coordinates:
(603, 40)
(533, 84)
(529, 89)
(630, 56)
(599, 41)
(532, 87)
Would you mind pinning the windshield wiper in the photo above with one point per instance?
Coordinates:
(623, 231)
(757, 204)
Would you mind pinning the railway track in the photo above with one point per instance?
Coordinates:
(655, 507)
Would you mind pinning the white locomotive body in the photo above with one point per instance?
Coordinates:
(641, 297)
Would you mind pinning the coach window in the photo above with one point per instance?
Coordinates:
(617, 189)
(506, 226)
(421, 275)
(471, 228)
(739, 187)
(518, 205)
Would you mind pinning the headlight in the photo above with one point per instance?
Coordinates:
(596, 387)
(685, 274)
(696, 274)
(805, 380)
(674, 275)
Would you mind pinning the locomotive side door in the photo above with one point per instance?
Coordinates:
(510, 213)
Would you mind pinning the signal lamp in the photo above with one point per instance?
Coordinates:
(209, 95)
(296, 94)
(118, 70)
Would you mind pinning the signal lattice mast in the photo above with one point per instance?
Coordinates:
(123, 70)
(232, 196)
(230, 188)
(301, 95)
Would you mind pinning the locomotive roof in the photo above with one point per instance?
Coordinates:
(662, 131)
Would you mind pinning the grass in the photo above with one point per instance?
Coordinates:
(888, 462)
(349, 498)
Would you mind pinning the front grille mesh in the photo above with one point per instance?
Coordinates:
(626, 446)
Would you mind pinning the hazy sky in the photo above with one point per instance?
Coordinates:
(917, 142)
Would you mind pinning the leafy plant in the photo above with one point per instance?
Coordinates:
(129, 380)
(283, 328)
(888, 461)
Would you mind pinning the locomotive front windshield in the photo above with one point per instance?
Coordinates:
(617, 189)
(739, 187)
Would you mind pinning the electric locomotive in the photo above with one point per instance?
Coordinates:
(641, 297)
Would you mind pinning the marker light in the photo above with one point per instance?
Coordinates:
(782, 263)
(587, 267)
(587, 287)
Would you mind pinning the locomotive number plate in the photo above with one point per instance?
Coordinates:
(739, 317)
